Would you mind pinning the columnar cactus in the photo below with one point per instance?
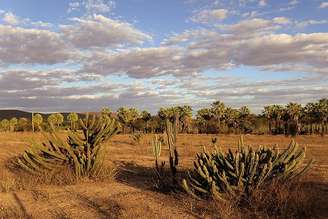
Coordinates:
(83, 154)
(239, 173)
(171, 133)
(157, 148)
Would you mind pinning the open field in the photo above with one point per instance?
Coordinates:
(131, 193)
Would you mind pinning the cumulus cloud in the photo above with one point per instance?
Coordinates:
(281, 20)
(91, 6)
(137, 63)
(10, 18)
(206, 16)
(21, 45)
(252, 43)
(98, 48)
(100, 31)
(263, 3)
(323, 5)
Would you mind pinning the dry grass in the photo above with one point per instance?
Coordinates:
(132, 195)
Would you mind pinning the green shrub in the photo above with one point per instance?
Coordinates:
(82, 153)
(222, 175)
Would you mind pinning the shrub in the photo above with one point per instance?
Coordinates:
(83, 154)
(221, 175)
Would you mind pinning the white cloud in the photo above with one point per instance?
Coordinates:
(73, 6)
(100, 31)
(206, 16)
(263, 3)
(98, 6)
(305, 23)
(10, 18)
(20, 45)
(91, 7)
(281, 20)
(293, 2)
(137, 63)
(323, 5)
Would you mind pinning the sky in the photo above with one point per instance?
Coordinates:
(83, 55)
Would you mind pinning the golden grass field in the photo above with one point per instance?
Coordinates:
(130, 194)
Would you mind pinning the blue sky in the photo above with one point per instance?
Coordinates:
(78, 55)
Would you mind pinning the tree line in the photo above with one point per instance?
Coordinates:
(290, 119)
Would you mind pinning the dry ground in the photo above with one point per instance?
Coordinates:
(131, 194)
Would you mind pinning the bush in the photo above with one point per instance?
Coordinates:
(83, 154)
(224, 175)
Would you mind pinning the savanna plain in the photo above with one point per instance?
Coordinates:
(127, 191)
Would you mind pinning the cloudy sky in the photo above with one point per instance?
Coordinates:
(82, 55)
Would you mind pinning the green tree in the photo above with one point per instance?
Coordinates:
(56, 119)
(218, 109)
(231, 118)
(268, 114)
(146, 117)
(203, 118)
(73, 118)
(5, 125)
(277, 113)
(13, 123)
(185, 117)
(127, 116)
(37, 120)
(23, 124)
(293, 111)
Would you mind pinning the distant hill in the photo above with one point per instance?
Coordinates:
(8, 114)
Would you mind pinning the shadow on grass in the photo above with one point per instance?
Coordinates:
(145, 178)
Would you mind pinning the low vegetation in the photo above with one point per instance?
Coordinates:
(238, 174)
(261, 182)
(292, 119)
(82, 154)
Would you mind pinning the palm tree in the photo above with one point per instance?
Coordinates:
(293, 111)
(56, 119)
(218, 110)
(37, 120)
(322, 110)
(146, 116)
(268, 114)
(244, 118)
(13, 123)
(185, 116)
(127, 116)
(123, 115)
(231, 118)
(52, 119)
(203, 117)
(73, 118)
(277, 113)
(5, 125)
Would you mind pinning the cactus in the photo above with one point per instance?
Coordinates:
(220, 175)
(165, 182)
(82, 154)
(171, 133)
(157, 148)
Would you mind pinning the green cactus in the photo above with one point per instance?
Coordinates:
(171, 133)
(83, 154)
(220, 175)
(157, 148)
